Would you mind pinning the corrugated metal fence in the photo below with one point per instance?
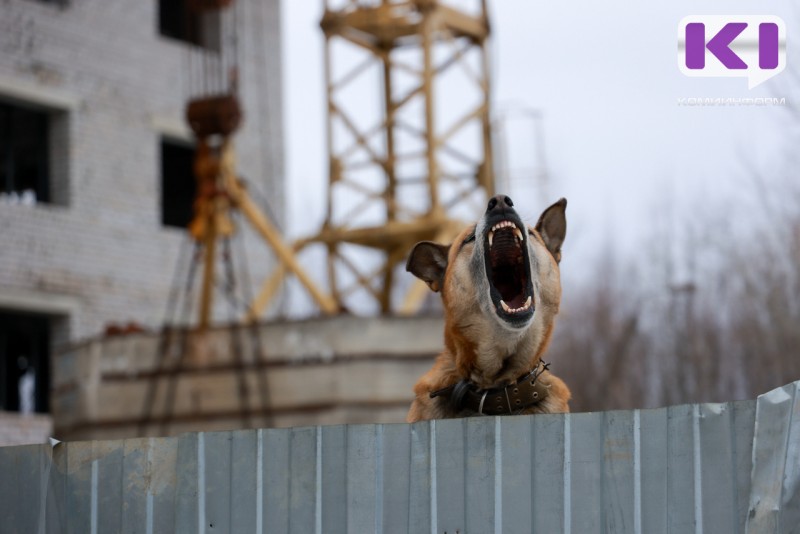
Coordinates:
(724, 468)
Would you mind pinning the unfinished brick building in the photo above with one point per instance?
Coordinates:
(95, 165)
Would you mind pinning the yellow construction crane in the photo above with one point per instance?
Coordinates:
(406, 171)
(220, 190)
(400, 179)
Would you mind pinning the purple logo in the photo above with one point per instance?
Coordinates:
(750, 46)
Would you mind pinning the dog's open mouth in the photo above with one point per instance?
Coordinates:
(508, 270)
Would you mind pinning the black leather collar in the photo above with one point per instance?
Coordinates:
(522, 393)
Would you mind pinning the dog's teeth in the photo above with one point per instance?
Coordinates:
(522, 308)
(505, 224)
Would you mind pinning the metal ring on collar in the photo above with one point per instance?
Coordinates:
(483, 398)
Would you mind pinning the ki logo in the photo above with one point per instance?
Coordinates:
(747, 46)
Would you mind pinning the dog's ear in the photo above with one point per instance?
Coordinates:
(428, 262)
(552, 226)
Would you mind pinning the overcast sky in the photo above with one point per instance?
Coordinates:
(605, 79)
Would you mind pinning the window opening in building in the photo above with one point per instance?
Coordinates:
(24, 362)
(177, 19)
(177, 183)
(53, 2)
(24, 155)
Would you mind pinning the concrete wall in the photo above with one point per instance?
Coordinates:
(24, 429)
(322, 371)
(115, 86)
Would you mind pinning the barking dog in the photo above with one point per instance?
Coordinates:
(501, 290)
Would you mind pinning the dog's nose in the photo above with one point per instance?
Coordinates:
(499, 202)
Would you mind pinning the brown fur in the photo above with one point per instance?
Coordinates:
(478, 345)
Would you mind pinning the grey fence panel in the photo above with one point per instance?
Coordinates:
(397, 479)
(56, 502)
(107, 491)
(620, 469)
(790, 498)
(136, 494)
(448, 470)
(303, 480)
(189, 500)
(275, 451)
(480, 488)
(364, 479)
(219, 485)
(681, 470)
(244, 482)
(551, 472)
(334, 477)
(422, 485)
(651, 499)
(744, 417)
(81, 508)
(20, 488)
(586, 506)
(516, 474)
(148, 482)
(775, 490)
(163, 484)
(717, 478)
(731, 467)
